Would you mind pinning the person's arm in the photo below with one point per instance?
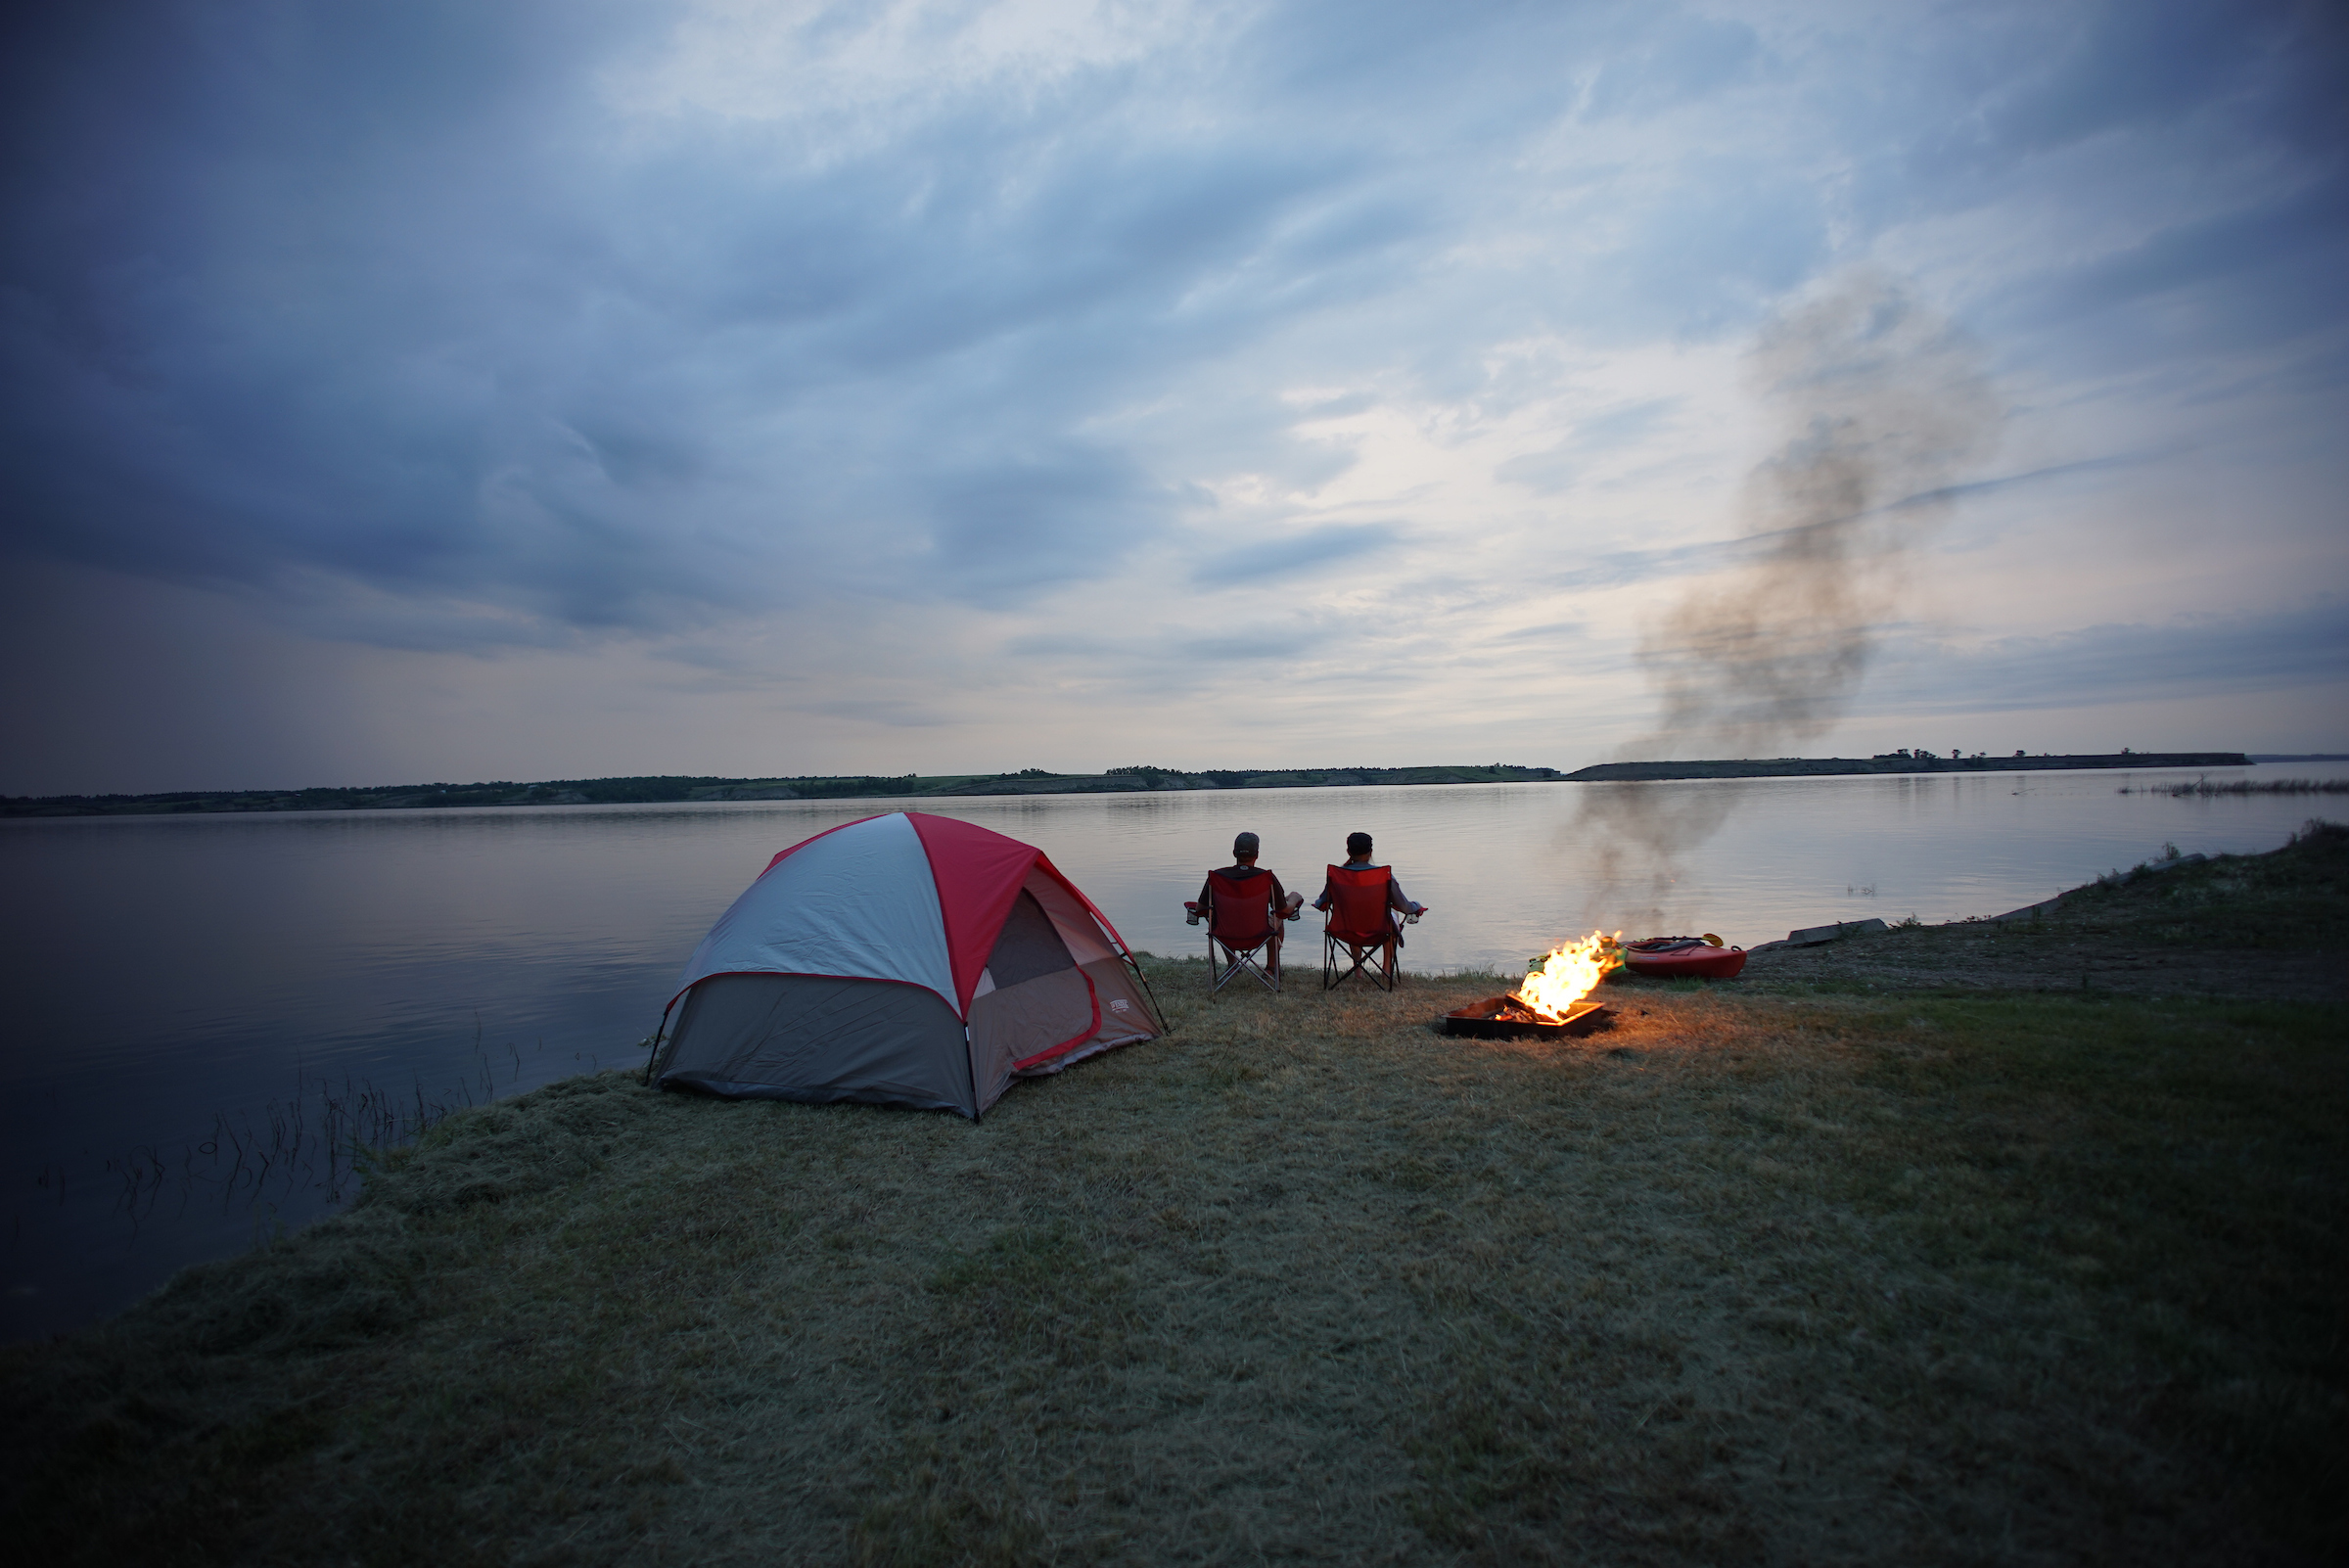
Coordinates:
(1396, 900)
(1284, 905)
(1200, 910)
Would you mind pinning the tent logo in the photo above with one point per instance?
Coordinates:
(1117, 1004)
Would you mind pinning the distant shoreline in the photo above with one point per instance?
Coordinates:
(677, 790)
(694, 789)
(1897, 762)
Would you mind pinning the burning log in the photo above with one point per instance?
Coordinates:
(1551, 1000)
(1570, 972)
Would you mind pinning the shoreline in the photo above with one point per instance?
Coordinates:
(692, 789)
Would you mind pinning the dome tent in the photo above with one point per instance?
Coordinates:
(905, 959)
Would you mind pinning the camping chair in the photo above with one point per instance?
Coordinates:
(1360, 923)
(1239, 921)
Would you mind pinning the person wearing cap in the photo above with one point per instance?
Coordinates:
(1285, 905)
(1357, 858)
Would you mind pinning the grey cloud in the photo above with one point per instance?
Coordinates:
(2016, 83)
(1551, 631)
(1555, 469)
(307, 291)
(483, 371)
(1295, 554)
(894, 712)
(1620, 568)
(1185, 663)
(1684, 57)
(2127, 62)
(2296, 247)
(1247, 648)
(2307, 646)
(1005, 531)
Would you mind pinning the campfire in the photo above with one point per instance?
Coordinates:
(1570, 972)
(1553, 998)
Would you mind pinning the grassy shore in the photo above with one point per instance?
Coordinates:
(1792, 1270)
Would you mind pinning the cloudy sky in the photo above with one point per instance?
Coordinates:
(409, 391)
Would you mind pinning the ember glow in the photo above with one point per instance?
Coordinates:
(1570, 972)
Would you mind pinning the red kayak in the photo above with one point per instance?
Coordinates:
(1683, 958)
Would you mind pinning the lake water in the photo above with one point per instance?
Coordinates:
(203, 1009)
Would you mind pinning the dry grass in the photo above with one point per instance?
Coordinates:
(1934, 1279)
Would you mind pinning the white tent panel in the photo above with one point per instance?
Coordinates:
(858, 903)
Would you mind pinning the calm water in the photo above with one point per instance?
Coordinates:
(201, 1005)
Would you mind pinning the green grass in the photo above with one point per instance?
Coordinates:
(2294, 897)
(1941, 1278)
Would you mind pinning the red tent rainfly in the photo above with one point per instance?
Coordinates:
(905, 959)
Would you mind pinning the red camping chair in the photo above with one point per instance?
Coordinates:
(1360, 923)
(1239, 921)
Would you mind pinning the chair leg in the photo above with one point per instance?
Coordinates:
(1360, 961)
(1234, 964)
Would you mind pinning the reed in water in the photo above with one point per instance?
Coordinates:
(2204, 788)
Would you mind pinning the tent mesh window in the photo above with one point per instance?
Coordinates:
(1029, 945)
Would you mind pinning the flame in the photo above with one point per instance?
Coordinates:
(1570, 972)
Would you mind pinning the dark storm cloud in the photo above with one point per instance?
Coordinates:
(263, 284)
(370, 294)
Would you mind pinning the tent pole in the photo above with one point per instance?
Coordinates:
(969, 1074)
(655, 1051)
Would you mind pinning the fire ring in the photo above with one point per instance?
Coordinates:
(1506, 1017)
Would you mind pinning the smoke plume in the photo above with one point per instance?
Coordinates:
(1882, 407)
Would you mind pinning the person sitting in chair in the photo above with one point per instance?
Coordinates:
(1357, 858)
(1285, 905)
